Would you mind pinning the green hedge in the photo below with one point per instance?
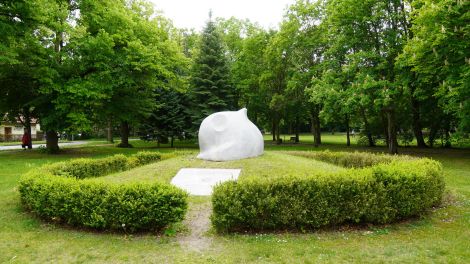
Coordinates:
(348, 159)
(87, 168)
(381, 194)
(57, 192)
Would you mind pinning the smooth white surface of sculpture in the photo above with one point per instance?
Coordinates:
(229, 135)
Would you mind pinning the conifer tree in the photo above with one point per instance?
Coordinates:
(210, 86)
(170, 119)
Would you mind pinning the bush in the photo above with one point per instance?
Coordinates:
(100, 205)
(348, 159)
(86, 168)
(380, 194)
(146, 157)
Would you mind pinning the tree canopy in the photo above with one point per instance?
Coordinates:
(385, 68)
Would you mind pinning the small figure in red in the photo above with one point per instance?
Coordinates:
(26, 140)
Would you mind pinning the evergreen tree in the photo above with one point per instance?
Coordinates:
(170, 118)
(210, 86)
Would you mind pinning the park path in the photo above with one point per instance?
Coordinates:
(198, 222)
(74, 143)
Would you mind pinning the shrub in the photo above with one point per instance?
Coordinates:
(100, 205)
(86, 168)
(381, 194)
(146, 157)
(348, 159)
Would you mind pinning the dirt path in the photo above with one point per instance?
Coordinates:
(198, 222)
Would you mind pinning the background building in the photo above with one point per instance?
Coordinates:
(11, 131)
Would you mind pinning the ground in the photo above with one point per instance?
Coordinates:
(440, 236)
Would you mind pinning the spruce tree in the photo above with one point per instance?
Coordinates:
(210, 86)
(170, 119)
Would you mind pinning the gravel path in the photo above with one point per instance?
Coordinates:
(198, 222)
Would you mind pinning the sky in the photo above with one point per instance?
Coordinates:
(194, 13)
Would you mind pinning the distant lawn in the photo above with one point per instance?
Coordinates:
(442, 236)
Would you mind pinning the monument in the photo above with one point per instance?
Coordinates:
(229, 135)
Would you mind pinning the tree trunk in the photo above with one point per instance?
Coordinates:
(171, 141)
(447, 142)
(278, 132)
(348, 139)
(52, 141)
(109, 135)
(384, 117)
(417, 124)
(297, 138)
(317, 139)
(124, 136)
(273, 130)
(366, 126)
(392, 132)
(316, 130)
(28, 129)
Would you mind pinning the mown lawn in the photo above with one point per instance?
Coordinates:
(440, 236)
(272, 164)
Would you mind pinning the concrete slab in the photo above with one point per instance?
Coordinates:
(201, 181)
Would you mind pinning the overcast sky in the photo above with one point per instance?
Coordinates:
(194, 13)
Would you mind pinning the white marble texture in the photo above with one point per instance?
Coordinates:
(201, 181)
(229, 135)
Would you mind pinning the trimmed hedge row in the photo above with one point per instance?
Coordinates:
(381, 194)
(57, 192)
(87, 168)
(348, 159)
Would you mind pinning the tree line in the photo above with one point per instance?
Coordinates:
(386, 68)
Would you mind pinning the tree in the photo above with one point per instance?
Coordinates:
(170, 119)
(246, 44)
(33, 70)
(210, 89)
(307, 44)
(438, 57)
(123, 57)
(20, 55)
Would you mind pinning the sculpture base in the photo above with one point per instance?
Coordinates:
(201, 181)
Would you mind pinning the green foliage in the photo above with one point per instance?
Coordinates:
(57, 193)
(383, 193)
(146, 157)
(86, 168)
(171, 118)
(350, 160)
(72, 71)
(246, 44)
(210, 89)
(438, 56)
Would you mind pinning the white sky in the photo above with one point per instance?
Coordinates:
(194, 13)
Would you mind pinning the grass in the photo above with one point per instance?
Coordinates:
(271, 164)
(16, 143)
(441, 236)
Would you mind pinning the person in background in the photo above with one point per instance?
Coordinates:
(26, 140)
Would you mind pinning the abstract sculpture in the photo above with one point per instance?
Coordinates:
(229, 135)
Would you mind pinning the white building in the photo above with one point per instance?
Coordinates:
(10, 131)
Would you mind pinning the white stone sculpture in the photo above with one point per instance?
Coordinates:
(229, 135)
